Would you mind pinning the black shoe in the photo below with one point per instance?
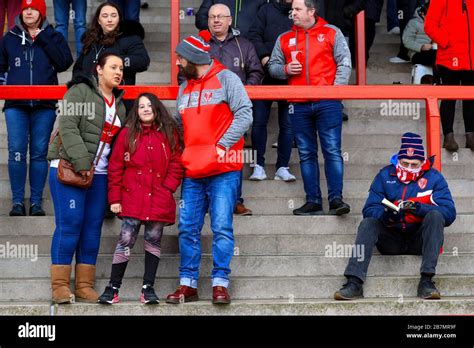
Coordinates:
(427, 290)
(350, 291)
(309, 208)
(345, 117)
(148, 295)
(144, 5)
(338, 207)
(110, 296)
(18, 209)
(36, 210)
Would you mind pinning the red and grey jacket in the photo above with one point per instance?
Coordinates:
(450, 24)
(324, 54)
(214, 110)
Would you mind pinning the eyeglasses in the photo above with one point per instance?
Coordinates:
(218, 17)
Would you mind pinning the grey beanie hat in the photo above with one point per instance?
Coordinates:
(195, 50)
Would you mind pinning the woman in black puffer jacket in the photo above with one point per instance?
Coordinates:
(109, 34)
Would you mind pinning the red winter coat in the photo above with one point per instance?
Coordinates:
(451, 26)
(144, 182)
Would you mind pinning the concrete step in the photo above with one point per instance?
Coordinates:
(256, 266)
(245, 244)
(243, 225)
(461, 188)
(407, 306)
(285, 288)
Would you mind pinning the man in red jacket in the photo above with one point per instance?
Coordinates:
(215, 112)
(450, 24)
(315, 53)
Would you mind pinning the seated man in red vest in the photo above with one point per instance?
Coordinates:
(408, 207)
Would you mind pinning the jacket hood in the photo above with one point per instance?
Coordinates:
(233, 33)
(131, 28)
(320, 22)
(417, 14)
(21, 31)
(214, 68)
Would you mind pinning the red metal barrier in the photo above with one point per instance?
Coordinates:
(361, 68)
(430, 94)
(175, 17)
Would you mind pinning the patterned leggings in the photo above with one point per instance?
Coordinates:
(128, 237)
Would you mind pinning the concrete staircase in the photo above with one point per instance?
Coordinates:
(281, 264)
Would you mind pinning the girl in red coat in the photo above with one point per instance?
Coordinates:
(144, 171)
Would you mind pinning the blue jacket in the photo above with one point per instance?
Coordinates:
(431, 190)
(27, 62)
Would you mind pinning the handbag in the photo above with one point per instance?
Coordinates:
(68, 176)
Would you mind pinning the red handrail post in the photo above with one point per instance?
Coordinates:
(361, 72)
(433, 130)
(174, 40)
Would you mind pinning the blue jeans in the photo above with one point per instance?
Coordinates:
(130, 9)
(79, 214)
(324, 118)
(218, 194)
(261, 114)
(392, 15)
(62, 16)
(28, 126)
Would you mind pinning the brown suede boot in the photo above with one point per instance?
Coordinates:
(60, 284)
(450, 143)
(470, 141)
(85, 279)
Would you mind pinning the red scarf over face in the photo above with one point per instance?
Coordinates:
(406, 175)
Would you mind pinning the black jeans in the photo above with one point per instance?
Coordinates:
(369, 39)
(450, 77)
(427, 241)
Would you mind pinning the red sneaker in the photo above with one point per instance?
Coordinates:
(220, 295)
(183, 294)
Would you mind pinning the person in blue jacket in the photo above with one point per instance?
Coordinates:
(417, 228)
(32, 53)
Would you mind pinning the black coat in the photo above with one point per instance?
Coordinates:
(272, 20)
(27, 62)
(129, 46)
(241, 19)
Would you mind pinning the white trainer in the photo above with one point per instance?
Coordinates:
(284, 174)
(258, 173)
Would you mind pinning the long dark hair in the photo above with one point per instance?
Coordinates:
(163, 121)
(95, 34)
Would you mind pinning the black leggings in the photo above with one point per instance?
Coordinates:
(449, 77)
(427, 58)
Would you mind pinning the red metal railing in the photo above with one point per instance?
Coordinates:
(430, 94)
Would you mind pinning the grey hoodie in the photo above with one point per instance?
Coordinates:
(414, 36)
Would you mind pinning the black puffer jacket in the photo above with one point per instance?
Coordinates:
(341, 12)
(242, 11)
(129, 46)
(272, 20)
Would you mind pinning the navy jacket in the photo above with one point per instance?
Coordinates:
(272, 20)
(129, 46)
(431, 190)
(242, 18)
(27, 62)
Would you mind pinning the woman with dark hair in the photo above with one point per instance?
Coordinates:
(109, 33)
(32, 53)
(145, 170)
(84, 139)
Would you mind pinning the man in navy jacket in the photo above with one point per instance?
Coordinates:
(417, 228)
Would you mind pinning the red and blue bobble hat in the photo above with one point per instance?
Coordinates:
(412, 147)
(38, 5)
(194, 50)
